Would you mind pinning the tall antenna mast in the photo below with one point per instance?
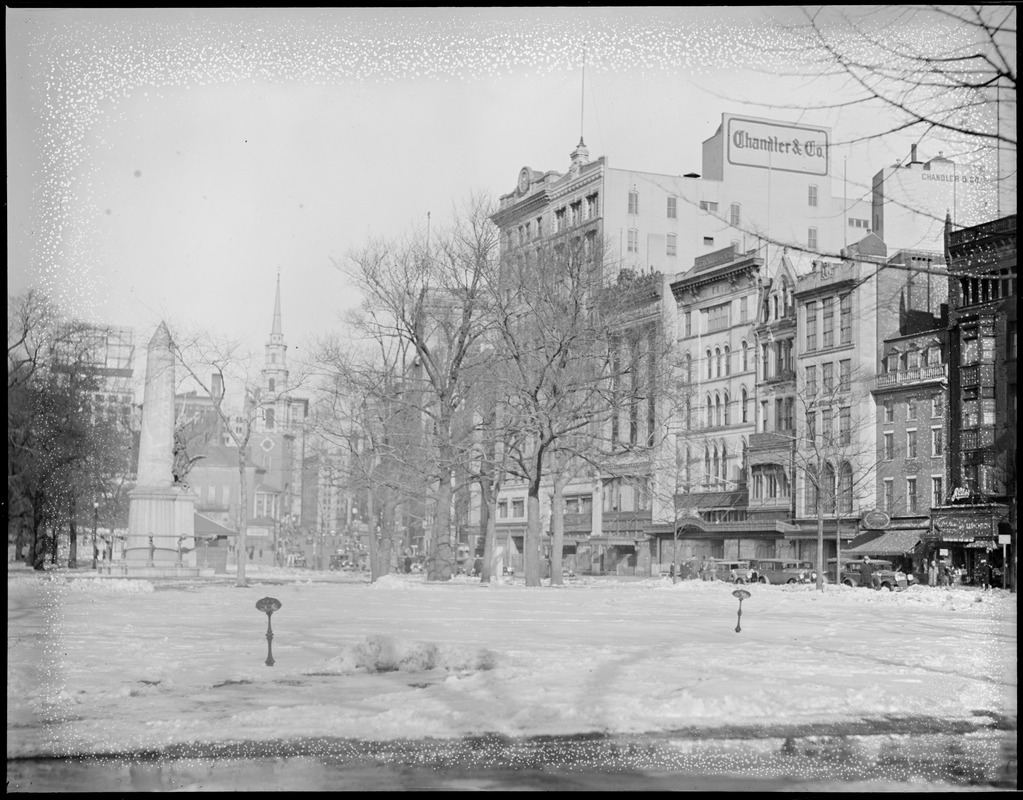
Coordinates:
(582, 96)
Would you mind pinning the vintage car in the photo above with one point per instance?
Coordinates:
(872, 573)
(717, 569)
(782, 570)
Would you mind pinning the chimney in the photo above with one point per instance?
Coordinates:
(912, 154)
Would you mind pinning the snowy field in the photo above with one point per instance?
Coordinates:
(102, 666)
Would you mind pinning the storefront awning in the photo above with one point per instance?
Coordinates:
(890, 543)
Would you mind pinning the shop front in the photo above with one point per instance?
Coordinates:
(967, 538)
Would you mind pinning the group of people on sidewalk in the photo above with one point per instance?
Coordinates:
(946, 575)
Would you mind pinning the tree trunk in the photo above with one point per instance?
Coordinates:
(820, 543)
(72, 559)
(838, 546)
(557, 532)
(371, 537)
(441, 562)
(674, 555)
(488, 509)
(531, 543)
(243, 505)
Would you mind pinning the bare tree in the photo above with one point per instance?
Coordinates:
(203, 355)
(835, 454)
(433, 296)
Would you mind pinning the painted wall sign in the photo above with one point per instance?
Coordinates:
(876, 520)
(775, 145)
(962, 528)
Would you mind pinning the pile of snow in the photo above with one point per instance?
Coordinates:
(386, 654)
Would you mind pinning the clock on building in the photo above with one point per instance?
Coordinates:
(524, 180)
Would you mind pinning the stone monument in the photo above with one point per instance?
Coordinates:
(161, 514)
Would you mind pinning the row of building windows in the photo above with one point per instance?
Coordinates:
(936, 407)
(912, 450)
(518, 509)
(828, 417)
(827, 375)
(984, 290)
(912, 504)
(718, 362)
(824, 311)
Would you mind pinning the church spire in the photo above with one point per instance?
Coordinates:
(276, 329)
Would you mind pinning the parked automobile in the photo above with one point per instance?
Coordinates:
(782, 570)
(872, 573)
(715, 569)
(337, 560)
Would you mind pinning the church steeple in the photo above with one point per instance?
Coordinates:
(276, 335)
(275, 366)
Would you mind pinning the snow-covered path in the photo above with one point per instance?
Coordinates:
(114, 666)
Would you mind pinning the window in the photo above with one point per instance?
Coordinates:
(671, 244)
(889, 411)
(743, 309)
(812, 197)
(911, 444)
(763, 415)
(733, 215)
(728, 361)
(811, 381)
(845, 489)
(745, 356)
(633, 202)
(936, 406)
(911, 495)
(502, 509)
(889, 495)
(717, 361)
(672, 207)
(811, 239)
(828, 377)
(708, 241)
(811, 426)
(539, 227)
(827, 427)
(811, 491)
(271, 384)
(710, 365)
(845, 425)
(633, 240)
(576, 210)
(936, 491)
(827, 311)
(889, 446)
(529, 234)
(845, 312)
(708, 206)
(936, 443)
(688, 323)
(717, 317)
(745, 400)
(559, 220)
(592, 206)
(811, 325)
(518, 508)
(268, 417)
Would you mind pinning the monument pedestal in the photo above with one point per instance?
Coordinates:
(161, 529)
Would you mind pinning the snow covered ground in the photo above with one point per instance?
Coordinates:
(119, 666)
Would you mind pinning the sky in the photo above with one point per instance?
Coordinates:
(118, 666)
(168, 164)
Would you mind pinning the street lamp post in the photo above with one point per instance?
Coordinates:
(95, 524)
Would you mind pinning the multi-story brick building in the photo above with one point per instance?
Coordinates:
(981, 472)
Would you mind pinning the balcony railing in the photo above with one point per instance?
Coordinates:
(932, 372)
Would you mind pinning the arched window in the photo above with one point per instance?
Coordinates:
(689, 415)
(685, 468)
(811, 491)
(710, 412)
(745, 356)
(766, 361)
(717, 410)
(706, 464)
(717, 462)
(774, 302)
(689, 368)
(710, 364)
(271, 384)
(745, 412)
(728, 361)
(845, 488)
(828, 489)
(717, 358)
(727, 415)
(724, 461)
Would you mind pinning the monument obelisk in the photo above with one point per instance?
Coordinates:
(161, 523)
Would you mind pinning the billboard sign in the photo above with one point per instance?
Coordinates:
(777, 145)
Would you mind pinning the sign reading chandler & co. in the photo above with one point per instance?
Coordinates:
(775, 145)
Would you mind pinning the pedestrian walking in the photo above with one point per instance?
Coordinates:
(932, 573)
(985, 575)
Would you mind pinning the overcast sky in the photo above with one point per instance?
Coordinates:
(164, 164)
